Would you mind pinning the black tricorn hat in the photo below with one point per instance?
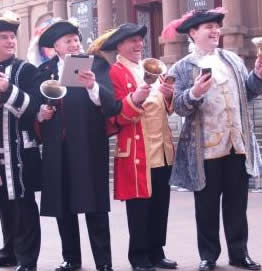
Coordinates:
(200, 17)
(56, 31)
(192, 19)
(9, 22)
(123, 32)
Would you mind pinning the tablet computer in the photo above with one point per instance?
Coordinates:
(73, 64)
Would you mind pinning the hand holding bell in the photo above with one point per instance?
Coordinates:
(52, 90)
(153, 69)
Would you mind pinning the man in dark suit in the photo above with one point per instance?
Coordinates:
(19, 154)
(75, 150)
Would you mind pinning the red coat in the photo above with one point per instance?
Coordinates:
(131, 170)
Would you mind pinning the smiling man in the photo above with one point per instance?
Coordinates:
(19, 154)
(144, 151)
(75, 150)
(217, 151)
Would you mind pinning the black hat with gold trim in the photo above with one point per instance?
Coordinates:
(9, 22)
(58, 30)
(109, 40)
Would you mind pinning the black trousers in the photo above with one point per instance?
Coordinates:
(97, 225)
(226, 179)
(8, 233)
(21, 226)
(147, 221)
(99, 235)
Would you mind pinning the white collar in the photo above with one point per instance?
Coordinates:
(199, 52)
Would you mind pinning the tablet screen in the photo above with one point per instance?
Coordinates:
(73, 64)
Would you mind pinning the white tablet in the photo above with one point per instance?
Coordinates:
(73, 64)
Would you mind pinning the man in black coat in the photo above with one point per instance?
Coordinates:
(19, 153)
(76, 151)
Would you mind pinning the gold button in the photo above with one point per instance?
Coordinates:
(137, 161)
(137, 137)
(129, 85)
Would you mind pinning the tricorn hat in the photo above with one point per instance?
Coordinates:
(192, 19)
(9, 22)
(56, 31)
(110, 40)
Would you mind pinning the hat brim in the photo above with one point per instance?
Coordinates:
(56, 31)
(124, 31)
(200, 18)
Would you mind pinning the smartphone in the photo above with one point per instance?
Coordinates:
(206, 70)
(170, 79)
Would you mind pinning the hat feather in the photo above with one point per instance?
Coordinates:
(218, 10)
(170, 31)
(96, 45)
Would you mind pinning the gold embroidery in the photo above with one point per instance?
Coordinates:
(125, 154)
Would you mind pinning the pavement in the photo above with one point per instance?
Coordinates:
(181, 239)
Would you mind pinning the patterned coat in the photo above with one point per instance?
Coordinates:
(188, 170)
(19, 150)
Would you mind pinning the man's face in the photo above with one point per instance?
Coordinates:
(68, 44)
(131, 48)
(8, 44)
(206, 36)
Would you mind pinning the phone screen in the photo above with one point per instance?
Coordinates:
(206, 70)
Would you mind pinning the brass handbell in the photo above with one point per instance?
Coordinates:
(258, 42)
(153, 68)
(52, 90)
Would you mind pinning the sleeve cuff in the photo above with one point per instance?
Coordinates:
(94, 94)
(193, 97)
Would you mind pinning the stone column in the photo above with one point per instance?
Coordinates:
(259, 12)
(233, 28)
(60, 8)
(105, 22)
(173, 50)
(23, 33)
(105, 15)
(122, 11)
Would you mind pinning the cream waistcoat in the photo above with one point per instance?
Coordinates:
(221, 111)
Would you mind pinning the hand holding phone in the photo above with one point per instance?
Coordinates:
(205, 71)
(170, 79)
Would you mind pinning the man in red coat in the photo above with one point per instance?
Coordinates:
(144, 151)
